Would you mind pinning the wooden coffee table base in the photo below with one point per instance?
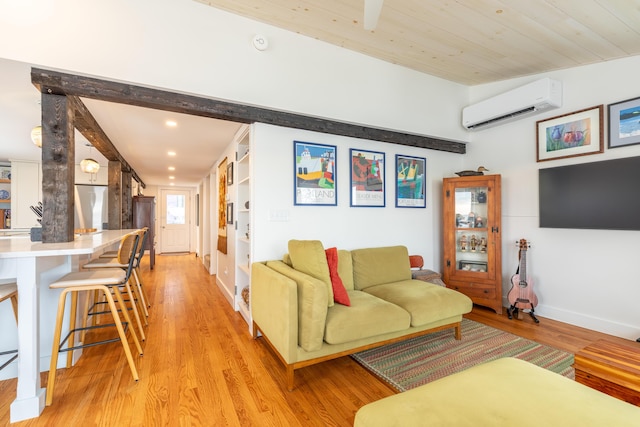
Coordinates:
(611, 368)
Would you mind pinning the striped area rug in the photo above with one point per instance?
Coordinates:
(417, 361)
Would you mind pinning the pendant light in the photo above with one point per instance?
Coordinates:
(89, 165)
(36, 136)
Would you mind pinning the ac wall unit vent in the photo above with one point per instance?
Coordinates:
(541, 95)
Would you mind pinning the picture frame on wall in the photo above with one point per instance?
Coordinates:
(410, 181)
(624, 123)
(314, 174)
(367, 181)
(575, 134)
(229, 213)
(230, 174)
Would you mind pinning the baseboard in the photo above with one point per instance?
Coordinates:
(589, 322)
(225, 291)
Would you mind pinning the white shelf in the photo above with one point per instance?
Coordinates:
(244, 158)
(244, 180)
(244, 268)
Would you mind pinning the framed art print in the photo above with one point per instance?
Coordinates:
(410, 181)
(230, 174)
(624, 123)
(367, 178)
(574, 134)
(314, 174)
(229, 213)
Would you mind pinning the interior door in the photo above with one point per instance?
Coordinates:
(175, 221)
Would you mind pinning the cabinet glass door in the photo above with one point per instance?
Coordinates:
(472, 237)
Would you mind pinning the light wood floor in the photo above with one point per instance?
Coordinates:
(201, 367)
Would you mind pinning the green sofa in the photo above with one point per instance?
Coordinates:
(293, 307)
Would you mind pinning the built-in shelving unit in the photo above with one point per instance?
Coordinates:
(243, 246)
(5, 196)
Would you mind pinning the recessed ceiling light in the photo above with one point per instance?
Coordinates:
(171, 123)
(171, 168)
(172, 177)
(171, 153)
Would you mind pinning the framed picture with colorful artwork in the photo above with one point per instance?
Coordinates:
(314, 174)
(410, 182)
(574, 134)
(624, 123)
(367, 178)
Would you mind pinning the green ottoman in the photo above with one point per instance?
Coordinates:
(507, 392)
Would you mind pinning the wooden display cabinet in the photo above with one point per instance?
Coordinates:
(472, 238)
(144, 215)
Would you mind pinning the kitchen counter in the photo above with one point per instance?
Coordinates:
(34, 266)
(18, 246)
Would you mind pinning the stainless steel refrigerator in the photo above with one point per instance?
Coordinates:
(91, 206)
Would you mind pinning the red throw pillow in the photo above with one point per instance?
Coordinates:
(340, 294)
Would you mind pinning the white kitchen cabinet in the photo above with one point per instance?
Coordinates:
(26, 190)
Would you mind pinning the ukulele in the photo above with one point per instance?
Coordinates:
(521, 295)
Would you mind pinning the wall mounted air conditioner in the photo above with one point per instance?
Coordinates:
(541, 95)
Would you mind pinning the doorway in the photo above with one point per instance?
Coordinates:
(175, 221)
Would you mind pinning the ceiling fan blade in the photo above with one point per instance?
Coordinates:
(372, 9)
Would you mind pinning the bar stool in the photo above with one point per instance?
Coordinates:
(122, 262)
(10, 291)
(137, 275)
(106, 281)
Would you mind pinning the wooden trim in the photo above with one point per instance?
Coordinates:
(48, 81)
(291, 367)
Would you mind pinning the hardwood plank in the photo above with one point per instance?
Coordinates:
(201, 367)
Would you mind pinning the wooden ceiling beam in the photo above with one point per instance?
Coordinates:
(90, 129)
(48, 81)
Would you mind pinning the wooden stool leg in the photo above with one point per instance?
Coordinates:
(144, 291)
(123, 337)
(123, 309)
(134, 308)
(14, 304)
(55, 348)
(143, 298)
(73, 312)
(90, 297)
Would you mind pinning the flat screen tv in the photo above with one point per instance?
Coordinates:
(600, 195)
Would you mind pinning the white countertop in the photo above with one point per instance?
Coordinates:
(22, 246)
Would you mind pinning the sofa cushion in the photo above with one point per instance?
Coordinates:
(308, 256)
(345, 269)
(312, 305)
(375, 266)
(368, 316)
(339, 292)
(287, 260)
(425, 301)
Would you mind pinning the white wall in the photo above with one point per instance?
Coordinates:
(583, 277)
(342, 226)
(194, 48)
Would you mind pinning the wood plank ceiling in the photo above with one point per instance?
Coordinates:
(466, 41)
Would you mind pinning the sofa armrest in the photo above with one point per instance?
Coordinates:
(274, 308)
